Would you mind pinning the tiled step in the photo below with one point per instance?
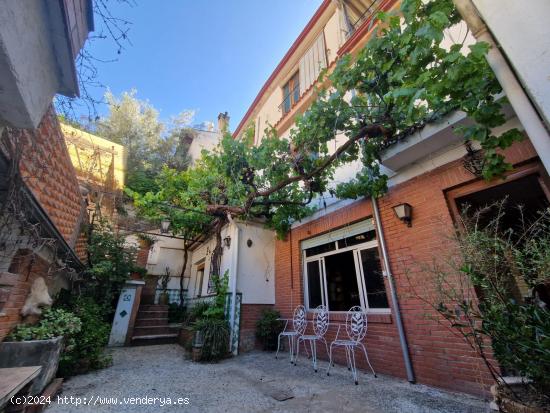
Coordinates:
(153, 307)
(148, 340)
(154, 330)
(143, 322)
(152, 314)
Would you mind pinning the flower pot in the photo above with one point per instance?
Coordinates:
(163, 299)
(43, 353)
(196, 353)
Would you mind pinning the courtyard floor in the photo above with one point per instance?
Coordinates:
(249, 383)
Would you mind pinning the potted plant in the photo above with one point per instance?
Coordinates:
(41, 345)
(268, 328)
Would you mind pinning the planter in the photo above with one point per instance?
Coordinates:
(163, 299)
(196, 353)
(43, 353)
(185, 336)
(507, 404)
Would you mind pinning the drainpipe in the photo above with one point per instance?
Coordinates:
(525, 112)
(394, 300)
(233, 277)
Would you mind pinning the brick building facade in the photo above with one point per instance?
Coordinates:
(439, 357)
(46, 237)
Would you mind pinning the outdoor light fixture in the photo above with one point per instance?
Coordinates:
(227, 241)
(164, 225)
(474, 160)
(404, 213)
(249, 242)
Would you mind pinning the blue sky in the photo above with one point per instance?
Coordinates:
(207, 55)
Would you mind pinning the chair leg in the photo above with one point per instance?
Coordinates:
(367, 357)
(329, 359)
(326, 346)
(314, 354)
(353, 368)
(278, 345)
(291, 348)
(297, 350)
(348, 358)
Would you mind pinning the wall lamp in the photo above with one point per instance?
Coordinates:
(164, 225)
(404, 213)
(227, 241)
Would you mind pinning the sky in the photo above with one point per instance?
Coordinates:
(208, 55)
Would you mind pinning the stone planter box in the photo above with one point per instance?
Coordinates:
(43, 353)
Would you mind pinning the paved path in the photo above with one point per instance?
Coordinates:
(248, 383)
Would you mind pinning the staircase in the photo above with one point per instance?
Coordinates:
(152, 326)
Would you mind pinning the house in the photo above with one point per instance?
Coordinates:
(42, 209)
(360, 252)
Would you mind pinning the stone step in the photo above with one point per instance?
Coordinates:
(154, 330)
(143, 322)
(152, 339)
(152, 314)
(153, 307)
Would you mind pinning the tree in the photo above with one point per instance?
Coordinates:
(149, 143)
(402, 80)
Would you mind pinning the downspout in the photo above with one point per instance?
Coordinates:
(233, 271)
(525, 112)
(394, 300)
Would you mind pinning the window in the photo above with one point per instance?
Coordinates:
(342, 269)
(291, 93)
(199, 280)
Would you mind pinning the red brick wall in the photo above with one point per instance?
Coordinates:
(48, 172)
(24, 269)
(439, 358)
(250, 314)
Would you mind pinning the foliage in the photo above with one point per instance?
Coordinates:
(176, 313)
(53, 323)
(402, 80)
(197, 312)
(509, 313)
(268, 328)
(111, 261)
(215, 338)
(89, 345)
(150, 143)
(221, 286)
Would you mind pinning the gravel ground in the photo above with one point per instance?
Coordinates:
(249, 383)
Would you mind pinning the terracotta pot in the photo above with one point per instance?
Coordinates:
(196, 354)
(163, 299)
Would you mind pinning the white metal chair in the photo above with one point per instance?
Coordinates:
(356, 329)
(299, 324)
(320, 327)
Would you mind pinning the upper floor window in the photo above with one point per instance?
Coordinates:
(357, 12)
(291, 93)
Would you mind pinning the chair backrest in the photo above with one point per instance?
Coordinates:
(321, 321)
(356, 323)
(299, 320)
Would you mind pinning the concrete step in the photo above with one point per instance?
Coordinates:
(154, 330)
(153, 307)
(143, 322)
(152, 314)
(152, 339)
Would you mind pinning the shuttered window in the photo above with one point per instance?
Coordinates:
(312, 62)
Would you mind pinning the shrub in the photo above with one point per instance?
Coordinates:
(176, 314)
(54, 323)
(88, 351)
(268, 328)
(196, 312)
(215, 338)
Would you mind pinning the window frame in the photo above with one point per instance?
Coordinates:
(359, 273)
(293, 81)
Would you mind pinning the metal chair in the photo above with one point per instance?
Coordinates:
(299, 324)
(320, 327)
(356, 329)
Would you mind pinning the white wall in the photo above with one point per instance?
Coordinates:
(522, 30)
(167, 253)
(256, 264)
(203, 140)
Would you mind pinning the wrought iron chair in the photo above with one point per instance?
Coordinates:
(320, 327)
(299, 324)
(356, 329)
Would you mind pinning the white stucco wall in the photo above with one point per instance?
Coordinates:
(522, 30)
(166, 253)
(204, 140)
(256, 264)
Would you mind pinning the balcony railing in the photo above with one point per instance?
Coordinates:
(357, 13)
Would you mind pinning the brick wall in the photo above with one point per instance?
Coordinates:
(439, 358)
(250, 314)
(25, 268)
